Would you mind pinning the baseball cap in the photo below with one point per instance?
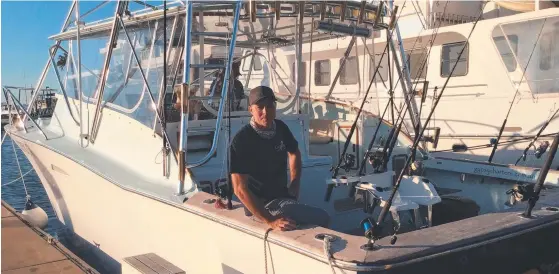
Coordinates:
(260, 93)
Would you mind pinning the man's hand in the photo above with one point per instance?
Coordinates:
(283, 224)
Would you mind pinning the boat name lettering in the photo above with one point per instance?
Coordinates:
(489, 171)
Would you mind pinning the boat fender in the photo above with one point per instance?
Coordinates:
(35, 215)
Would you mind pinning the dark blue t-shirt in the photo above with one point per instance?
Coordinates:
(263, 159)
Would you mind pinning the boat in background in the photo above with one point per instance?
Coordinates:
(131, 178)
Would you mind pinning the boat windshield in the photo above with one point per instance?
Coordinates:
(125, 90)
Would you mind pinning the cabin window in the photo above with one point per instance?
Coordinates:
(257, 63)
(449, 56)
(506, 54)
(383, 69)
(322, 73)
(302, 71)
(349, 74)
(415, 63)
(546, 49)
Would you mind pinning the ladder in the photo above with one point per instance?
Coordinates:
(189, 32)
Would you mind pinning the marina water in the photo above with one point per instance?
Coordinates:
(13, 193)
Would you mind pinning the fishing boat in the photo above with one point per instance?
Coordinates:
(336, 74)
(136, 178)
(7, 114)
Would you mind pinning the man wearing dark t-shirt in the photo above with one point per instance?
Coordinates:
(260, 153)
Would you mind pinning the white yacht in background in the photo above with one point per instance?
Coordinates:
(513, 50)
(136, 179)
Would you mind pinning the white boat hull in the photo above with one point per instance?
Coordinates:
(182, 235)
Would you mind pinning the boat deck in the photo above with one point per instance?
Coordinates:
(27, 249)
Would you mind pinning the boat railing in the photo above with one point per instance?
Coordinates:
(224, 93)
(55, 67)
(22, 108)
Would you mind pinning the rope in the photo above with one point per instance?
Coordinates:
(17, 178)
(20, 173)
(326, 246)
(265, 253)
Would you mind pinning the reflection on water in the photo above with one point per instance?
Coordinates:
(13, 193)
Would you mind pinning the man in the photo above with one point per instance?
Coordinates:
(260, 152)
(238, 92)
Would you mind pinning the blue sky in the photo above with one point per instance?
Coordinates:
(25, 28)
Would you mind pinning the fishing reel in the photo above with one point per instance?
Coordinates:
(520, 193)
(376, 159)
(541, 149)
(348, 162)
(373, 232)
(416, 168)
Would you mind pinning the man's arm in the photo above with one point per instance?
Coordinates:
(240, 185)
(254, 205)
(295, 172)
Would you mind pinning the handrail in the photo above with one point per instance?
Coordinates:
(45, 70)
(60, 82)
(224, 93)
(184, 95)
(25, 111)
(104, 72)
(8, 107)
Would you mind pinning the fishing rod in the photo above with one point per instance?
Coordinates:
(366, 155)
(163, 112)
(388, 203)
(349, 161)
(426, 85)
(463, 148)
(395, 131)
(391, 141)
(515, 93)
(390, 138)
(390, 84)
(541, 178)
(523, 157)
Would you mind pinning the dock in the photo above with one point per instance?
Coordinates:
(28, 249)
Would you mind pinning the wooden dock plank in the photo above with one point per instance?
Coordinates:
(26, 250)
(62, 267)
(22, 247)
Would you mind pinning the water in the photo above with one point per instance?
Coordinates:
(13, 193)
